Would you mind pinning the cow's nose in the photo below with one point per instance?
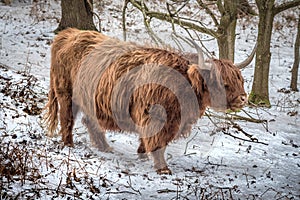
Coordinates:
(243, 98)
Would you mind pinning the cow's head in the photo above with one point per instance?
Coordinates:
(222, 80)
(225, 85)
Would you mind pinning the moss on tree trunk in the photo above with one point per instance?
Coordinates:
(267, 10)
(260, 88)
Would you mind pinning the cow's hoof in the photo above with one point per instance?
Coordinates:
(103, 148)
(164, 171)
(107, 149)
(68, 144)
(143, 156)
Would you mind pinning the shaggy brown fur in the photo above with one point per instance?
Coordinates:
(68, 49)
(122, 86)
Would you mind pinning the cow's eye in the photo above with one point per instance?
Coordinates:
(226, 86)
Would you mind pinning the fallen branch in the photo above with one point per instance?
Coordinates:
(121, 192)
(239, 128)
(236, 126)
(167, 191)
(234, 116)
(246, 140)
(131, 186)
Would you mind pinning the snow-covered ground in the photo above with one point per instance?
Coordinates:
(210, 164)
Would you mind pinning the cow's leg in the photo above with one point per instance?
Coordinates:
(142, 151)
(160, 163)
(97, 136)
(64, 98)
(157, 146)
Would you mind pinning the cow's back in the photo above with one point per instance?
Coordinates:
(68, 49)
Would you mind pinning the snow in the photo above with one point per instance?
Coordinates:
(209, 164)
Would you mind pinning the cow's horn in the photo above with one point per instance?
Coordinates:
(201, 63)
(248, 60)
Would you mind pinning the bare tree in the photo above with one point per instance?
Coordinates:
(295, 68)
(77, 14)
(226, 28)
(267, 10)
(224, 21)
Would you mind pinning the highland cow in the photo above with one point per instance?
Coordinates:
(123, 86)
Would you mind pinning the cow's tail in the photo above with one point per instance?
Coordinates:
(50, 119)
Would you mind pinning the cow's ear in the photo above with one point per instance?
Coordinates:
(195, 78)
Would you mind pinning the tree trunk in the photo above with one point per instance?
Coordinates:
(76, 14)
(295, 68)
(226, 41)
(260, 89)
(267, 10)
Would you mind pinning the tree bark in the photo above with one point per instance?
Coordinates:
(260, 89)
(294, 79)
(76, 14)
(267, 10)
(226, 29)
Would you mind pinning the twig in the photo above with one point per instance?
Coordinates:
(27, 68)
(59, 184)
(178, 20)
(130, 185)
(246, 140)
(238, 127)
(13, 109)
(215, 164)
(2, 16)
(179, 9)
(68, 161)
(235, 117)
(37, 190)
(121, 192)
(267, 191)
(187, 143)
(209, 117)
(211, 14)
(124, 19)
(147, 21)
(246, 175)
(167, 191)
